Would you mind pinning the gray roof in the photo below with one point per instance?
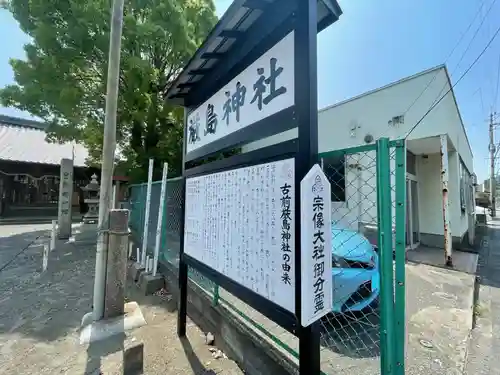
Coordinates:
(24, 141)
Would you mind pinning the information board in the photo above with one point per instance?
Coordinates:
(316, 246)
(241, 223)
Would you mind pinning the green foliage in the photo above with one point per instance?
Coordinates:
(63, 78)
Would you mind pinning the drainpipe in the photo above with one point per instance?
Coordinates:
(446, 206)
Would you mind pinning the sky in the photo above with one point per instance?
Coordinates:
(378, 42)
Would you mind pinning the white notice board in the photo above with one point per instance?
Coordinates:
(316, 246)
(241, 224)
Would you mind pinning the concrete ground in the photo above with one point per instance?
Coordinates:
(462, 261)
(40, 315)
(439, 314)
(484, 347)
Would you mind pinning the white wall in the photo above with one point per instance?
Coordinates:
(345, 124)
(360, 191)
(360, 207)
(429, 193)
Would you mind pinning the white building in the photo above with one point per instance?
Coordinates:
(391, 111)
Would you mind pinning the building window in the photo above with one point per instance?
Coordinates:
(463, 184)
(334, 168)
(411, 163)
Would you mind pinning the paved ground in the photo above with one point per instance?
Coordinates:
(439, 312)
(484, 346)
(439, 316)
(40, 314)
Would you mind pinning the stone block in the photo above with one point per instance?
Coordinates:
(150, 284)
(135, 270)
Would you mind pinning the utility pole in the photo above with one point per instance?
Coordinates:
(108, 156)
(492, 149)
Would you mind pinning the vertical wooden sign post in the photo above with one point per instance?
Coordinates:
(254, 77)
(65, 198)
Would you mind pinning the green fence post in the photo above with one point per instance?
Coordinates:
(384, 211)
(400, 293)
(215, 299)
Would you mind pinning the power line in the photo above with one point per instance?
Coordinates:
(467, 48)
(448, 57)
(456, 83)
(474, 36)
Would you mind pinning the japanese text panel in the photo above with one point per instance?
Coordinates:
(241, 224)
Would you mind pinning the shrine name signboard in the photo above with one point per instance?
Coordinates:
(264, 88)
(240, 223)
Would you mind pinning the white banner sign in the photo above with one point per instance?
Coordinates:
(316, 246)
(262, 89)
(241, 224)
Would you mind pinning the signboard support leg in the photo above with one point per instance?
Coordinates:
(306, 105)
(309, 357)
(182, 312)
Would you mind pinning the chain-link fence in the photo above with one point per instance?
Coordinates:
(366, 320)
(170, 231)
(364, 323)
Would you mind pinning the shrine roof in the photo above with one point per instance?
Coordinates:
(25, 141)
(246, 26)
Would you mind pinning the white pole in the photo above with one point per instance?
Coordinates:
(130, 248)
(159, 225)
(45, 260)
(108, 156)
(146, 214)
(113, 202)
(147, 263)
(138, 259)
(53, 235)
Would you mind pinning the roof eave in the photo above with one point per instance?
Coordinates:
(180, 89)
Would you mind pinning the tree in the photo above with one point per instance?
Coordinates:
(63, 78)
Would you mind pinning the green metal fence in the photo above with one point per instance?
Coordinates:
(366, 330)
(368, 232)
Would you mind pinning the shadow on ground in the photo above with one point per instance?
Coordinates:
(43, 305)
(489, 256)
(41, 312)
